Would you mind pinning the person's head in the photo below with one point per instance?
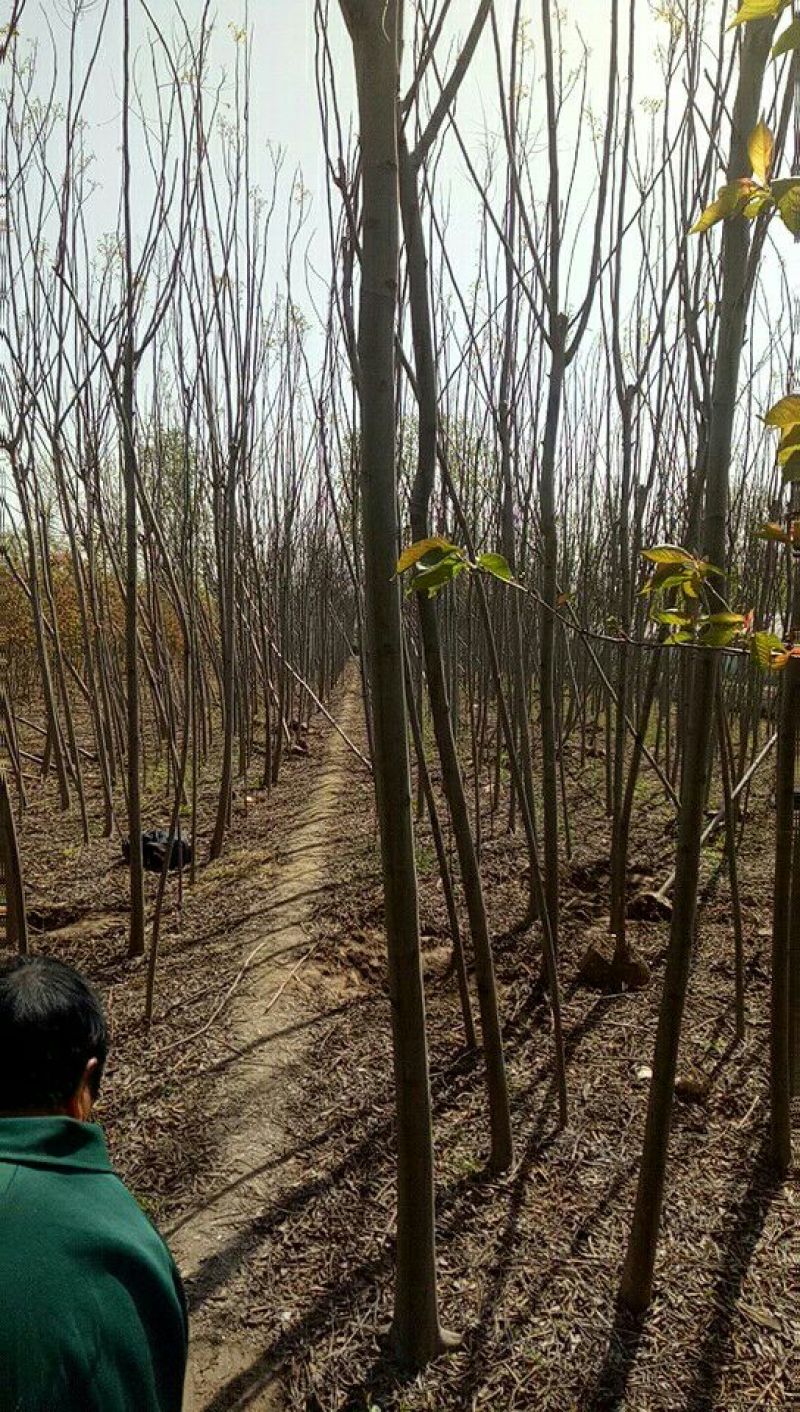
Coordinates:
(53, 1039)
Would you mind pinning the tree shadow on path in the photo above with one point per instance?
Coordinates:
(611, 1386)
(742, 1225)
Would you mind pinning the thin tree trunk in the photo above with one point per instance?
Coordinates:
(502, 1148)
(11, 873)
(136, 933)
(428, 797)
(373, 25)
(637, 1279)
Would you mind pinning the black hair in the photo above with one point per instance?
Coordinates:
(51, 1024)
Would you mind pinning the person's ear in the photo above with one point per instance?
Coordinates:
(82, 1101)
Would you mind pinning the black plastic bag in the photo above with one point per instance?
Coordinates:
(154, 848)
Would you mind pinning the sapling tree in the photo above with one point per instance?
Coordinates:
(374, 27)
(748, 168)
(564, 330)
(785, 1010)
(410, 163)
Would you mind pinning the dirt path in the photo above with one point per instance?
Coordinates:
(272, 1027)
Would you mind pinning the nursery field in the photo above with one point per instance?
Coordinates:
(399, 706)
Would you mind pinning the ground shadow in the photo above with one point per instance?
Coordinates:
(608, 1393)
(741, 1228)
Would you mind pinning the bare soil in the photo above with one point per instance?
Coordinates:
(258, 1129)
(530, 1263)
(246, 1107)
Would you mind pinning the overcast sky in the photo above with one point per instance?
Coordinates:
(284, 102)
(284, 98)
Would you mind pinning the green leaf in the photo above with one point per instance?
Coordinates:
(668, 554)
(758, 10)
(781, 185)
(670, 618)
(716, 635)
(668, 576)
(496, 565)
(785, 413)
(730, 620)
(760, 149)
(417, 551)
(432, 580)
(762, 201)
(789, 443)
(671, 580)
(711, 215)
(789, 207)
(731, 201)
(762, 646)
(791, 469)
(677, 637)
(790, 39)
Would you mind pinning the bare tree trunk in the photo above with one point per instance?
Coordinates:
(11, 873)
(780, 1082)
(502, 1147)
(373, 26)
(726, 764)
(428, 797)
(624, 965)
(229, 657)
(784, 1027)
(547, 625)
(637, 1278)
(136, 932)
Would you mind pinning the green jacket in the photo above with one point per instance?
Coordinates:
(92, 1312)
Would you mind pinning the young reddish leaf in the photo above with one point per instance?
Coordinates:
(772, 531)
(735, 194)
